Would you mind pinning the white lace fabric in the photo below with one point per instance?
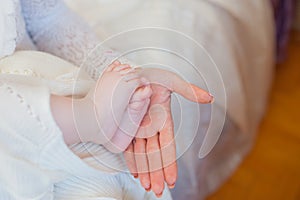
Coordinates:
(55, 29)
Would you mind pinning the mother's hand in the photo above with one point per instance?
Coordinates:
(153, 159)
(152, 156)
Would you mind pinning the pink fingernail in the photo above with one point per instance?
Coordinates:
(135, 175)
(212, 98)
(148, 187)
(159, 195)
(171, 186)
(208, 97)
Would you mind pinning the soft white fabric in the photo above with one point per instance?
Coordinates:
(8, 31)
(12, 28)
(35, 161)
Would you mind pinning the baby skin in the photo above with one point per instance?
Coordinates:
(121, 99)
(111, 113)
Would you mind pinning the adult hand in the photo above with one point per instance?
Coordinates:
(152, 155)
(153, 159)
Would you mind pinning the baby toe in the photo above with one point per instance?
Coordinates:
(131, 77)
(141, 94)
(122, 68)
(126, 70)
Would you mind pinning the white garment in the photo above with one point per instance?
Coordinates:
(7, 28)
(35, 161)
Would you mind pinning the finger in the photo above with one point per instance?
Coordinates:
(175, 83)
(155, 165)
(130, 160)
(142, 163)
(168, 149)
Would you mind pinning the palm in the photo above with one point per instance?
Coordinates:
(154, 159)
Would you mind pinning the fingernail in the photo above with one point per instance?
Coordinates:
(212, 98)
(171, 179)
(171, 186)
(208, 97)
(159, 195)
(148, 189)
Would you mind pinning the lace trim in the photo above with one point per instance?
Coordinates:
(65, 84)
(27, 72)
(57, 30)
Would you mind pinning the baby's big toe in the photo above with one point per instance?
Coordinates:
(139, 97)
(141, 93)
(118, 67)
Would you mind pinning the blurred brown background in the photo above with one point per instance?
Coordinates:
(272, 169)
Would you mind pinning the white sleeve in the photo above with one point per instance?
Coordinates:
(35, 161)
(33, 154)
(23, 135)
(55, 29)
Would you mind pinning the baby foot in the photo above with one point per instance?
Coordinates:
(139, 104)
(132, 118)
(119, 113)
(111, 97)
